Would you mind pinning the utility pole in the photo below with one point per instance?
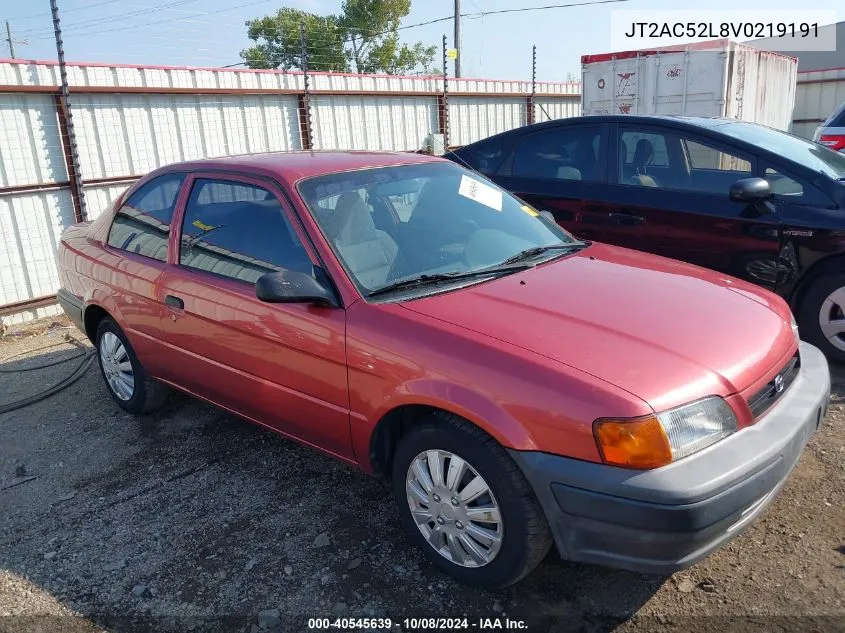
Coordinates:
(10, 40)
(66, 124)
(458, 37)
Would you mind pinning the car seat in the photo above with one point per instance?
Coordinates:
(643, 155)
(368, 252)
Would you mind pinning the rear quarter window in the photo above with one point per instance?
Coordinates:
(142, 224)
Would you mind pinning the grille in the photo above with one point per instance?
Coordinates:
(775, 388)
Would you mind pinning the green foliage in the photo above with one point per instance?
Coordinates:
(364, 39)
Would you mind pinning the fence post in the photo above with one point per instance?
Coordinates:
(530, 102)
(304, 105)
(69, 148)
(444, 102)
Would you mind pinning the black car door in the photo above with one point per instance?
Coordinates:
(670, 193)
(811, 225)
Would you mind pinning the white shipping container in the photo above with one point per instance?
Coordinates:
(710, 79)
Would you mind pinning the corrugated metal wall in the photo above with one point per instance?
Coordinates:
(371, 122)
(128, 134)
(129, 120)
(819, 93)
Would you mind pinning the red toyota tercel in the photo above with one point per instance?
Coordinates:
(516, 386)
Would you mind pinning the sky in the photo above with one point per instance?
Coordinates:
(212, 32)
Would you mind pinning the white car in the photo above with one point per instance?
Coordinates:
(832, 132)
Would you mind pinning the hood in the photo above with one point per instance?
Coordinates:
(665, 331)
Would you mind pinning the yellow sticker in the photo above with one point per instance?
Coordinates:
(530, 210)
(452, 53)
(201, 226)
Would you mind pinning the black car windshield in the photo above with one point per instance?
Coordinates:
(431, 220)
(811, 155)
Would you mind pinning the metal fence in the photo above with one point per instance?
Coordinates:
(128, 120)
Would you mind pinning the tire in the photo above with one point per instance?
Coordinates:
(524, 534)
(824, 300)
(144, 394)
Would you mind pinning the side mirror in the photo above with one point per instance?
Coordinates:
(288, 286)
(751, 190)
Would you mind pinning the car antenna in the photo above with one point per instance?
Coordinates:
(467, 165)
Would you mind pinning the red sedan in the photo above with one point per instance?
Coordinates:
(515, 385)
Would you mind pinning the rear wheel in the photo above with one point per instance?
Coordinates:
(466, 504)
(821, 316)
(125, 377)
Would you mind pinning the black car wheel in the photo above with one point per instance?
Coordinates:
(821, 316)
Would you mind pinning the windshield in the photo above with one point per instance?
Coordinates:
(812, 155)
(390, 224)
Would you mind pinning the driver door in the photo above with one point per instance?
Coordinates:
(671, 198)
(281, 365)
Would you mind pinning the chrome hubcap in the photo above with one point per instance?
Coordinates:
(832, 318)
(454, 508)
(117, 367)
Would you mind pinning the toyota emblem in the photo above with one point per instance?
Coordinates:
(778, 384)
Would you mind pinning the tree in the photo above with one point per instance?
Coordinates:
(280, 45)
(364, 37)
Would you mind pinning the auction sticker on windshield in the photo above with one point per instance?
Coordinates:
(479, 192)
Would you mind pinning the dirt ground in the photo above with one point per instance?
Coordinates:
(191, 519)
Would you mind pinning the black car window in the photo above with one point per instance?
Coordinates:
(484, 156)
(706, 157)
(239, 231)
(670, 159)
(142, 224)
(783, 185)
(792, 189)
(565, 153)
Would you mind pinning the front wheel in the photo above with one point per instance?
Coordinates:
(821, 316)
(465, 503)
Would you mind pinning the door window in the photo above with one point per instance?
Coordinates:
(484, 156)
(142, 224)
(705, 157)
(239, 231)
(566, 153)
(669, 159)
(639, 153)
(783, 185)
(789, 189)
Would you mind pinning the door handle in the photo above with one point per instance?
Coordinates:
(174, 302)
(626, 219)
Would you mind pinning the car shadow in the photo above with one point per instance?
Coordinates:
(192, 519)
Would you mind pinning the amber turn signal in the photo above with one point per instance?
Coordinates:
(640, 443)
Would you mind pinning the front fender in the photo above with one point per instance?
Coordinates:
(460, 400)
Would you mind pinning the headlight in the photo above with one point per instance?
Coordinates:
(795, 330)
(660, 439)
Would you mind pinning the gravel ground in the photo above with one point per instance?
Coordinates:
(191, 519)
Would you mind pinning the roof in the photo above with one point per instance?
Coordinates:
(722, 44)
(295, 165)
(710, 122)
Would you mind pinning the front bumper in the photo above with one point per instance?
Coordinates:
(662, 520)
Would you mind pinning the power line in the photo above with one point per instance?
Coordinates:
(543, 8)
(83, 7)
(112, 18)
(138, 26)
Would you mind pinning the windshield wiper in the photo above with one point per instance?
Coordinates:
(528, 253)
(426, 280)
